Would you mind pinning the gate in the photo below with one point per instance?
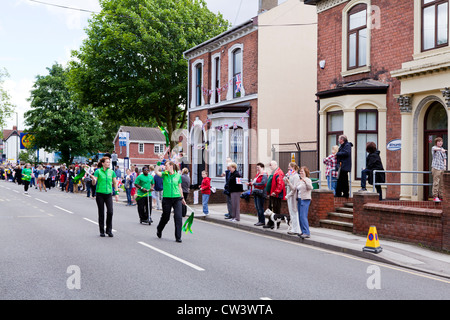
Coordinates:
(302, 153)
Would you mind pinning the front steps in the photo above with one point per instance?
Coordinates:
(341, 219)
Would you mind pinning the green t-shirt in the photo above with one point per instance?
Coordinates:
(170, 185)
(26, 174)
(144, 182)
(104, 180)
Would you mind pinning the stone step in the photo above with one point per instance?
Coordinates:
(348, 204)
(339, 216)
(336, 225)
(345, 210)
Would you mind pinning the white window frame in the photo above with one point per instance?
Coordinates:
(345, 71)
(194, 83)
(139, 147)
(160, 148)
(213, 77)
(230, 71)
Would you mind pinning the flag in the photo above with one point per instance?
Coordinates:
(188, 224)
(166, 135)
(238, 83)
(79, 176)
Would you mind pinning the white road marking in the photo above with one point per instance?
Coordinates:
(63, 209)
(41, 200)
(96, 223)
(172, 256)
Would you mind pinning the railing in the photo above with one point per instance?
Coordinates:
(318, 179)
(399, 184)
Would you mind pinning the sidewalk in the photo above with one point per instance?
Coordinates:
(395, 253)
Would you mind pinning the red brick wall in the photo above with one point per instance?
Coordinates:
(146, 158)
(391, 45)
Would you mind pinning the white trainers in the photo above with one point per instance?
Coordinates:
(436, 199)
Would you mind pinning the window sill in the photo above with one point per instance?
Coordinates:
(352, 72)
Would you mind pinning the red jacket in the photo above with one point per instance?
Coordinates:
(206, 185)
(278, 186)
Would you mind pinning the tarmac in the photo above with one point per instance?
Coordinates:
(394, 253)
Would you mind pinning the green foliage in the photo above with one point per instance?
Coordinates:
(57, 122)
(6, 107)
(131, 66)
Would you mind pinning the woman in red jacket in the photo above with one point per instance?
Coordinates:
(205, 188)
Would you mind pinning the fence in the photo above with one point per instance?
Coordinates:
(399, 183)
(303, 153)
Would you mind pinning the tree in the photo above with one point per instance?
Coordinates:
(132, 65)
(57, 122)
(6, 107)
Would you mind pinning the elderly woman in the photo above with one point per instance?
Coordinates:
(235, 187)
(304, 200)
(292, 181)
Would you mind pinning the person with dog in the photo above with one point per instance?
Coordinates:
(276, 189)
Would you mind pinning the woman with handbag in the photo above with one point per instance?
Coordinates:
(259, 192)
(292, 181)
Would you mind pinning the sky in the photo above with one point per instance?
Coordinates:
(33, 36)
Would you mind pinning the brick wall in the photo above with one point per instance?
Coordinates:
(391, 45)
(146, 158)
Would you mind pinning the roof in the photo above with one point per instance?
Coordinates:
(8, 133)
(368, 86)
(142, 134)
(311, 2)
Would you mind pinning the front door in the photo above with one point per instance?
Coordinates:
(436, 124)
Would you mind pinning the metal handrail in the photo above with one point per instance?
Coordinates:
(399, 184)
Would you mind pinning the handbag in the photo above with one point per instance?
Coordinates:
(258, 192)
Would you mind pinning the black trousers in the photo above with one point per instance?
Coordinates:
(167, 205)
(184, 209)
(103, 199)
(26, 184)
(342, 188)
(144, 210)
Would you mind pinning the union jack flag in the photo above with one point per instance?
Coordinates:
(238, 83)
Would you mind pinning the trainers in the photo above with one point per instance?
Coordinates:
(362, 189)
(436, 199)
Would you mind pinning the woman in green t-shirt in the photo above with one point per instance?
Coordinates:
(104, 178)
(26, 177)
(172, 198)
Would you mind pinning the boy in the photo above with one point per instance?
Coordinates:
(438, 165)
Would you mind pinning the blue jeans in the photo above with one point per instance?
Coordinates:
(331, 182)
(303, 207)
(259, 205)
(128, 192)
(205, 199)
(364, 174)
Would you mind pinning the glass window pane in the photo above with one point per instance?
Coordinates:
(331, 141)
(335, 121)
(237, 149)
(442, 36)
(352, 50)
(361, 154)
(357, 20)
(429, 21)
(367, 121)
(237, 61)
(362, 47)
(219, 153)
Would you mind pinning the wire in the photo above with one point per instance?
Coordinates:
(63, 7)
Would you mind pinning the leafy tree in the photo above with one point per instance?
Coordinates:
(57, 122)
(132, 65)
(6, 107)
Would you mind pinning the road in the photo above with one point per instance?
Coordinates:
(51, 249)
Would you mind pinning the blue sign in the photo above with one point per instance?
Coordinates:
(394, 145)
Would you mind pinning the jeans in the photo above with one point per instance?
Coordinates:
(303, 207)
(259, 205)
(205, 199)
(331, 182)
(364, 174)
(128, 192)
(102, 200)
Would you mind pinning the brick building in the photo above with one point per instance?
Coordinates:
(145, 144)
(384, 67)
(251, 87)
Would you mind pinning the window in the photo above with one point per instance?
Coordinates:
(434, 24)
(335, 128)
(198, 85)
(216, 79)
(366, 131)
(237, 148)
(159, 148)
(237, 73)
(141, 148)
(357, 37)
(219, 153)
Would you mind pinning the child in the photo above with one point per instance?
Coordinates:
(331, 169)
(206, 191)
(438, 165)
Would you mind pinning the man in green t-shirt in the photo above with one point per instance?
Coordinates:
(144, 185)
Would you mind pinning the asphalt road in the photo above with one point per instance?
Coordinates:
(51, 249)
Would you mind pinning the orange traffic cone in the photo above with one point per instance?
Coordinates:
(372, 243)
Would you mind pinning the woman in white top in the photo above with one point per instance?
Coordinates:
(292, 181)
(304, 200)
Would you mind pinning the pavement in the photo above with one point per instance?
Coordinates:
(394, 253)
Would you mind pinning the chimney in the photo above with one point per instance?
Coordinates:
(15, 128)
(266, 5)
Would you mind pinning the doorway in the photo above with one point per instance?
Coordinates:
(436, 125)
